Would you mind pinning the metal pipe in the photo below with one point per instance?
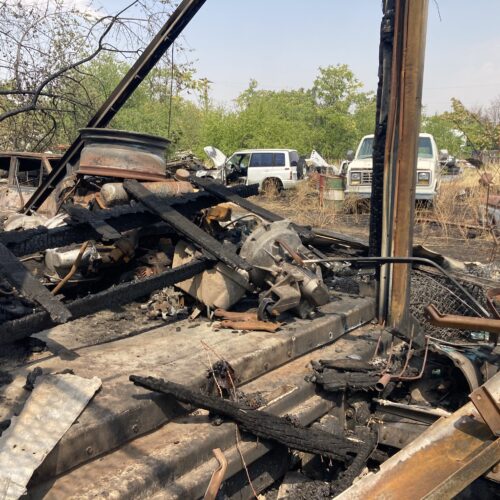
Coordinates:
(436, 318)
(174, 26)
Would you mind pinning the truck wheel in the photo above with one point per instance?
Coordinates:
(271, 186)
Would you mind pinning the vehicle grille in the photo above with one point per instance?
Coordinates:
(366, 177)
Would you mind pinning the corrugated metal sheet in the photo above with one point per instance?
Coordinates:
(54, 405)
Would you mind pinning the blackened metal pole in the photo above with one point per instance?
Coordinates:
(403, 127)
(136, 74)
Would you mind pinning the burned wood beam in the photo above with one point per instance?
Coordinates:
(259, 423)
(184, 226)
(18, 276)
(79, 214)
(122, 218)
(123, 293)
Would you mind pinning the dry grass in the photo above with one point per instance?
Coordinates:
(458, 214)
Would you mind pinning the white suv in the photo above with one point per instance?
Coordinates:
(266, 167)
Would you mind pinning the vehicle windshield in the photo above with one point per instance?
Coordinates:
(424, 148)
(365, 151)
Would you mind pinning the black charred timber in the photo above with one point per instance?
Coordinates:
(259, 423)
(17, 329)
(122, 218)
(79, 214)
(358, 464)
(179, 19)
(18, 276)
(226, 194)
(383, 95)
(184, 226)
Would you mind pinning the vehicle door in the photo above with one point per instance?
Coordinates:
(236, 168)
(264, 165)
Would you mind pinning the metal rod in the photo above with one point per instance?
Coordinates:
(144, 64)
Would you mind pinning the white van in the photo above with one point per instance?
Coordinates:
(268, 168)
(359, 169)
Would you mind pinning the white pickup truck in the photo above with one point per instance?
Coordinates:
(359, 170)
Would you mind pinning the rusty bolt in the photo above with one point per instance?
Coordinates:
(135, 428)
(89, 450)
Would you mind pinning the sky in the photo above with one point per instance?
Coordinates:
(282, 43)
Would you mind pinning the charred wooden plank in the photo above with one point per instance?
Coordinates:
(122, 218)
(184, 226)
(260, 423)
(79, 214)
(18, 276)
(123, 293)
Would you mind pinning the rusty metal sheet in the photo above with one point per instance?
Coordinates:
(54, 405)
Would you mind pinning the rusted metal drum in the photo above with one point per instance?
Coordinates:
(119, 153)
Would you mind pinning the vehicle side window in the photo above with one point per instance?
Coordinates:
(261, 160)
(279, 160)
(29, 172)
(244, 160)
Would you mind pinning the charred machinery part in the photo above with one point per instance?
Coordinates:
(276, 254)
(113, 193)
(218, 287)
(120, 153)
(184, 226)
(463, 322)
(73, 269)
(124, 293)
(122, 218)
(17, 275)
(260, 423)
(59, 261)
(333, 380)
(179, 19)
